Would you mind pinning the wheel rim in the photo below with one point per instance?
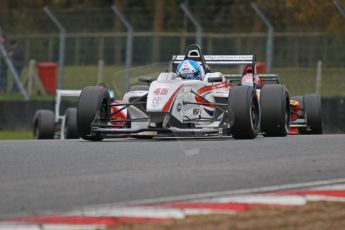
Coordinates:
(104, 110)
(286, 122)
(287, 118)
(254, 115)
(36, 131)
(65, 132)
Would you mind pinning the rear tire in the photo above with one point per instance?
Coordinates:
(245, 107)
(312, 105)
(71, 129)
(94, 103)
(44, 125)
(275, 110)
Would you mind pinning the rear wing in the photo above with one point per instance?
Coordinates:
(193, 52)
(220, 59)
(267, 78)
(63, 93)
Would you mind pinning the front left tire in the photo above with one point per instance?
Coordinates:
(93, 105)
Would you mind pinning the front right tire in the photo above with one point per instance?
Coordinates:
(244, 104)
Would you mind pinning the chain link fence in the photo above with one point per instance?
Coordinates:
(96, 34)
(291, 49)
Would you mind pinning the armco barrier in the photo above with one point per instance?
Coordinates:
(19, 114)
(333, 113)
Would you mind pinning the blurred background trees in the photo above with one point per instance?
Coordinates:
(286, 15)
(305, 30)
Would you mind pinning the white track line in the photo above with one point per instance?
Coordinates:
(253, 198)
(118, 209)
(11, 226)
(199, 196)
(262, 199)
(130, 212)
(330, 187)
(145, 212)
(8, 226)
(324, 198)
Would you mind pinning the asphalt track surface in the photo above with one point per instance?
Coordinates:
(57, 175)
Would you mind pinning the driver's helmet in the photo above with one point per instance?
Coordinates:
(189, 69)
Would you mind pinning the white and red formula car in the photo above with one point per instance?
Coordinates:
(173, 105)
(48, 124)
(305, 111)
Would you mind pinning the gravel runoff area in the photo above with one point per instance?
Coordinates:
(312, 216)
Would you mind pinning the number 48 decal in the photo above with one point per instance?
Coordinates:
(161, 91)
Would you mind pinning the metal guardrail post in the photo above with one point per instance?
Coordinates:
(339, 7)
(318, 80)
(100, 71)
(270, 37)
(62, 42)
(129, 45)
(13, 71)
(198, 27)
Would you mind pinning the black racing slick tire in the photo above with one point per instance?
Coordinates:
(94, 104)
(44, 124)
(275, 110)
(312, 106)
(245, 107)
(71, 129)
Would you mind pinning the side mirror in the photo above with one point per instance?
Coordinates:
(146, 79)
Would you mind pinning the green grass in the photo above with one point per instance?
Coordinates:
(15, 135)
(78, 77)
(298, 80)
